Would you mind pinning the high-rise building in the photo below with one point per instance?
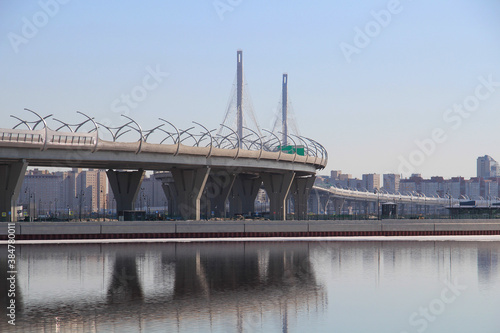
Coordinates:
(151, 195)
(41, 192)
(92, 186)
(59, 193)
(473, 188)
(391, 182)
(487, 167)
(371, 181)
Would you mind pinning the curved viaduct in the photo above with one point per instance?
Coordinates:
(229, 167)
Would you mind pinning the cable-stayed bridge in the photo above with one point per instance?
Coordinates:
(201, 166)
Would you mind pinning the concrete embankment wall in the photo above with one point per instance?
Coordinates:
(204, 229)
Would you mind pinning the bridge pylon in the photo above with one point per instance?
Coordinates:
(278, 186)
(301, 188)
(11, 180)
(189, 186)
(125, 186)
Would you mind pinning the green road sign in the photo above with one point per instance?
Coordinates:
(293, 149)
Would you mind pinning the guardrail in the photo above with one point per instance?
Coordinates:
(206, 142)
(388, 197)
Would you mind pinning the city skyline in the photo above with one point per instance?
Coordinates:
(404, 87)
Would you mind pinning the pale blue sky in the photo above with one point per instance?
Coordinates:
(367, 112)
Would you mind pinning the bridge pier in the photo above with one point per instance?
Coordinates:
(339, 205)
(125, 186)
(278, 186)
(243, 194)
(189, 185)
(11, 179)
(301, 188)
(218, 187)
(167, 184)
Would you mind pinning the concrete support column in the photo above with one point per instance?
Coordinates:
(315, 202)
(167, 184)
(243, 194)
(219, 185)
(189, 186)
(301, 188)
(11, 179)
(328, 199)
(169, 190)
(125, 186)
(366, 210)
(278, 186)
(339, 205)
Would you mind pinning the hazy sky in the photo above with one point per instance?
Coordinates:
(376, 82)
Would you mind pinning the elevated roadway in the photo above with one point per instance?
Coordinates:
(233, 166)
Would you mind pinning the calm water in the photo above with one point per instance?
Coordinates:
(257, 287)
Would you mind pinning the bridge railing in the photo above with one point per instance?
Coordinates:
(388, 197)
(76, 140)
(188, 141)
(34, 137)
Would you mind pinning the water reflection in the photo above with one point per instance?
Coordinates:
(245, 287)
(487, 264)
(124, 286)
(101, 287)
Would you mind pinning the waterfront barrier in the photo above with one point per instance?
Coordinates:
(224, 229)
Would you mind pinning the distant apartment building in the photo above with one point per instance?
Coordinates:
(322, 180)
(391, 182)
(487, 167)
(473, 188)
(151, 195)
(454, 187)
(368, 182)
(334, 174)
(490, 188)
(337, 178)
(371, 181)
(41, 192)
(412, 184)
(432, 187)
(45, 193)
(92, 184)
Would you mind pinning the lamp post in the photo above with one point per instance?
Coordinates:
(80, 198)
(411, 205)
(99, 204)
(28, 191)
(378, 204)
(425, 205)
(34, 205)
(105, 198)
(141, 195)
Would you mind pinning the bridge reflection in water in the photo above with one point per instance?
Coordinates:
(165, 287)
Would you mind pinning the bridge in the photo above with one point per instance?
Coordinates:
(324, 197)
(228, 165)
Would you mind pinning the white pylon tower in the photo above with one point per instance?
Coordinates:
(284, 110)
(284, 122)
(239, 96)
(239, 116)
